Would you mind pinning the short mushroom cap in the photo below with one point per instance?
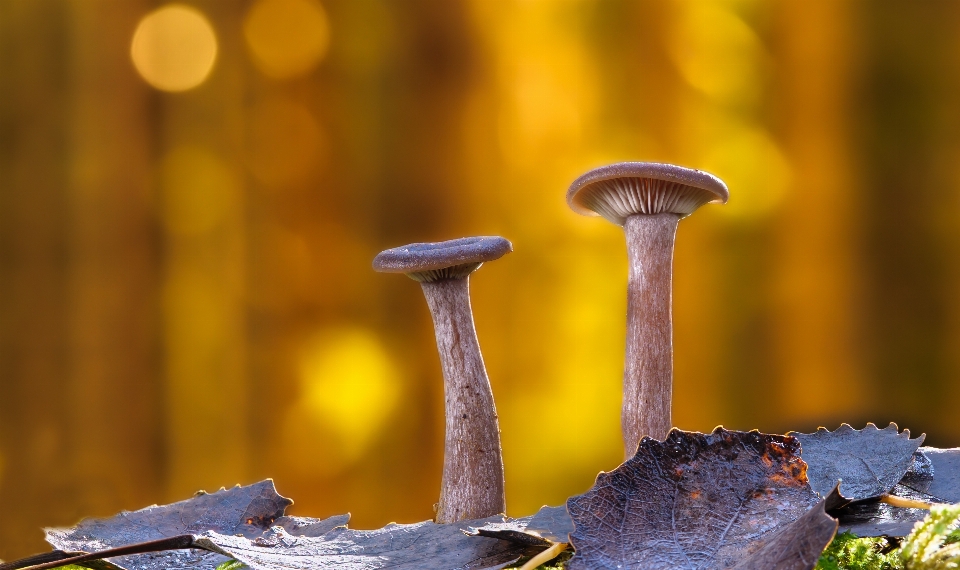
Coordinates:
(617, 191)
(451, 259)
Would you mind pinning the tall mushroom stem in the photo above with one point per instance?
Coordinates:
(648, 371)
(472, 484)
(647, 199)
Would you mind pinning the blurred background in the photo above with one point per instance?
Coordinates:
(191, 195)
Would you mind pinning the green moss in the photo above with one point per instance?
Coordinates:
(930, 545)
(847, 552)
(934, 544)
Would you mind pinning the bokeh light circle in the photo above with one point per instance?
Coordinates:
(286, 38)
(174, 48)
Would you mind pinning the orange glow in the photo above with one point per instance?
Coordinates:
(285, 142)
(287, 38)
(174, 48)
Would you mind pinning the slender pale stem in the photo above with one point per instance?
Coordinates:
(546, 556)
(905, 502)
(648, 371)
(472, 485)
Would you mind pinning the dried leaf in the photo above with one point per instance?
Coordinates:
(306, 526)
(549, 525)
(247, 511)
(692, 501)
(798, 545)
(868, 461)
(420, 546)
(945, 464)
(934, 477)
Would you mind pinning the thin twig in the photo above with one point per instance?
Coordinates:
(906, 503)
(545, 556)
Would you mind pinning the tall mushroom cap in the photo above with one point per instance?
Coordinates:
(453, 259)
(617, 191)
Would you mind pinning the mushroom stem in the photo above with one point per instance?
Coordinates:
(648, 370)
(472, 484)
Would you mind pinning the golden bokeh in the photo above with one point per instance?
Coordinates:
(717, 52)
(349, 390)
(174, 48)
(286, 38)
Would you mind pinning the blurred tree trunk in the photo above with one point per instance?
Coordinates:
(77, 330)
(817, 351)
(909, 142)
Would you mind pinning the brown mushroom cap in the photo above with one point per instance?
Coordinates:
(617, 191)
(451, 259)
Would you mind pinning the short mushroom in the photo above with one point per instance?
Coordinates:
(472, 484)
(647, 199)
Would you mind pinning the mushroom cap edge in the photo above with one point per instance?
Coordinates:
(429, 256)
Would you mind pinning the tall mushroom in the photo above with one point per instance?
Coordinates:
(647, 199)
(472, 484)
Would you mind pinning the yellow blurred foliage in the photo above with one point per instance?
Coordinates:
(717, 52)
(196, 190)
(750, 161)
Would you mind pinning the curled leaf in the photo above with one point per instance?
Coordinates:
(798, 545)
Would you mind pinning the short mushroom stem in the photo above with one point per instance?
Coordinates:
(648, 371)
(472, 485)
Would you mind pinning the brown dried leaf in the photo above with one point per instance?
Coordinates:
(247, 511)
(692, 501)
(868, 461)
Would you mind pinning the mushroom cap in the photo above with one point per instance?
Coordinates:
(620, 190)
(423, 257)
